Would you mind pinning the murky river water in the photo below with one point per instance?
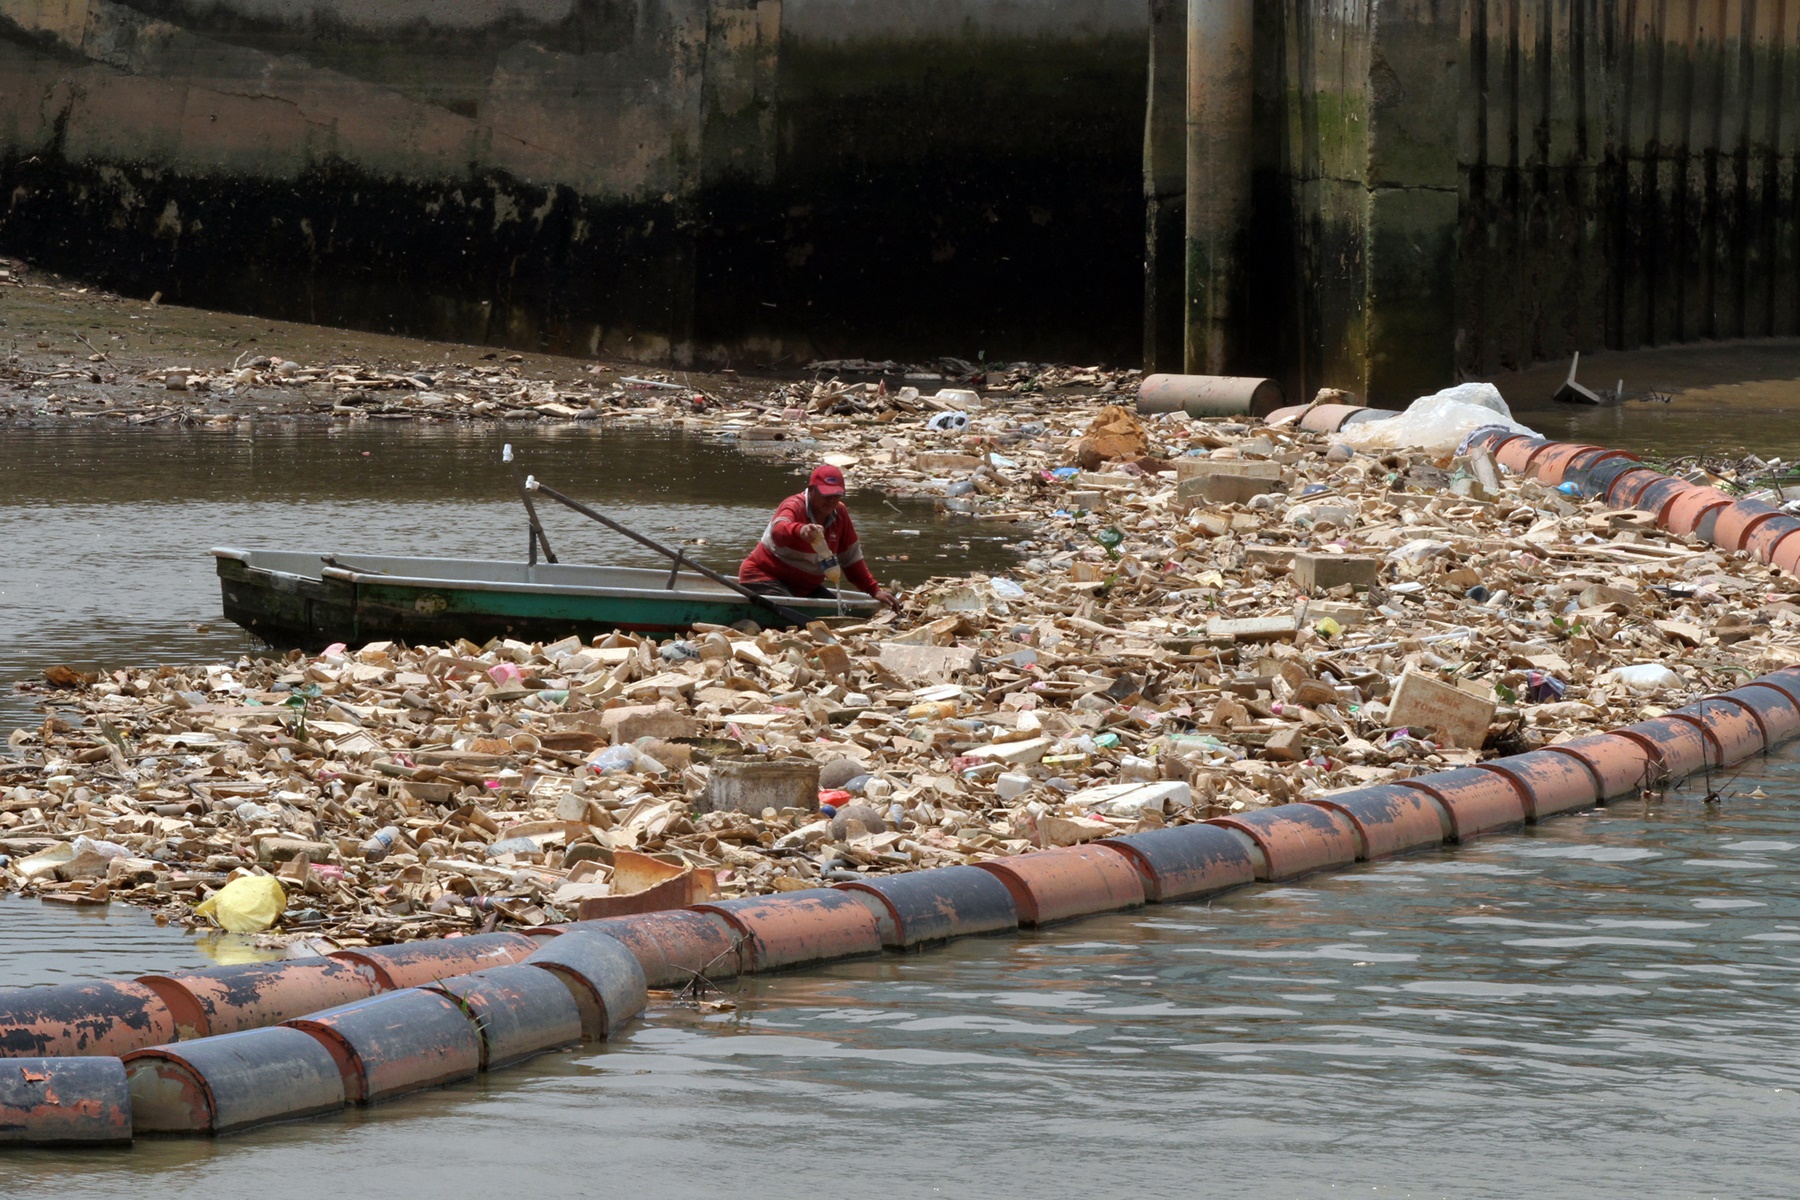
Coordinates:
(107, 531)
(1605, 1005)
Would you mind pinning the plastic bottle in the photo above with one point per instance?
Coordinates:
(378, 846)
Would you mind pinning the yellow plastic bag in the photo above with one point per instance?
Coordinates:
(248, 904)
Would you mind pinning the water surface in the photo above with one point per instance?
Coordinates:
(108, 529)
(1604, 1005)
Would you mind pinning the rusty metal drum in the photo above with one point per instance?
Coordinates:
(233, 1081)
(936, 905)
(601, 974)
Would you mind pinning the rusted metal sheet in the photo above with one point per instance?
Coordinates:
(1391, 820)
(1622, 766)
(795, 928)
(64, 1102)
(1185, 861)
(518, 1012)
(1478, 801)
(644, 884)
(939, 904)
(251, 995)
(108, 1017)
(1551, 783)
(601, 974)
(1682, 747)
(233, 1081)
(1070, 881)
(1688, 509)
(675, 948)
(1775, 711)
(1737, 520)
(415, 963)
(1298, 839)
(395, 1043)
(1733, 728)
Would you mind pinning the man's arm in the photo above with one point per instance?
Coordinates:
(855, 567)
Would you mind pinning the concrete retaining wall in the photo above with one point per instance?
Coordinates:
(685, 180)
(1460, 188)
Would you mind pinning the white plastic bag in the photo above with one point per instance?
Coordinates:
(1643, 677)
(1436, 423)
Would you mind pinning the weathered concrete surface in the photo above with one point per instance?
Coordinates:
(1221, 95)
(1447, 188)
(658, 179)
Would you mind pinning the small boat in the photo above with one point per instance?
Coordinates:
(307, 600)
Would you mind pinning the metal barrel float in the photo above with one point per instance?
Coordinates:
(1186, 861)
(673, 948)
(602, 976)
(1761, 541)
(517, 1011)
(1554, 463)
(791, 929)
(410, 964)
(1620, 765)
(64, 1102)
(1785, 680)
(1048, 886)
(1737, 520)
(922, 907)
(1774, 708)
(1328, 418)
(221, 1084)
(1390, 819)
(1297, 839)
(109, 1017)
(1491, 438)
(1693, 507)
(1597, 480)
(1516, 454)
(1732, 726)
(1682, 747)
(395, 1043)
(1656, 497)
(1478, 801)
(1550, 783)
(1630, 487)
(251, 995)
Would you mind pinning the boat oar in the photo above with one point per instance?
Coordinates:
(537, 536)
(791, 616)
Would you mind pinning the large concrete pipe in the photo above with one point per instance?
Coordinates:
(1208, 395)
(1220, 92)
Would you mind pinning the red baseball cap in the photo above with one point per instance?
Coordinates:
(827, 480)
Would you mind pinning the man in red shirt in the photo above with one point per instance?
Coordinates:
(787, 561)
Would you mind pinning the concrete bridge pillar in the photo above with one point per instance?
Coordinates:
(1220, 95)
(1165, 189)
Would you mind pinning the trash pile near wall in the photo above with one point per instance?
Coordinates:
(1212, 617)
